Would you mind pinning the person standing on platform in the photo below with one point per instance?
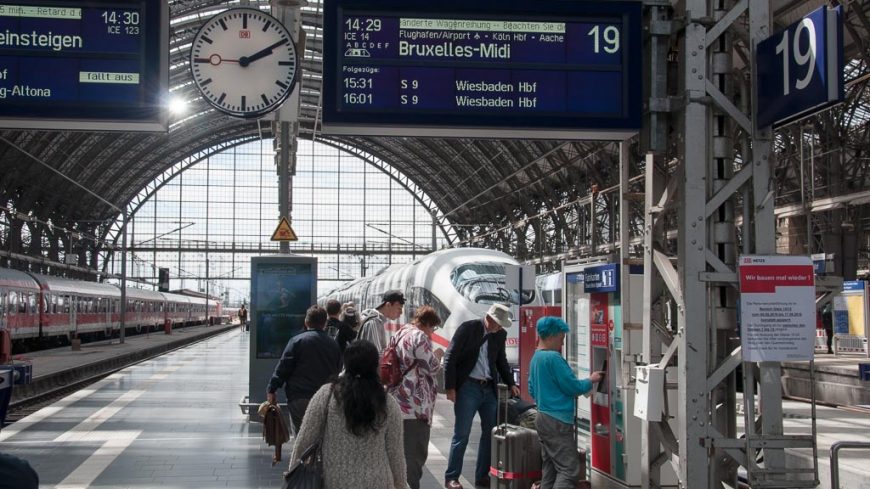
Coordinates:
(309, 360)
(360, 425)
(333, 310)
(554, 387)
(474, 364)
(349, 325)
(416, 393)
(828, 324)
(243, 317)
(375, 320)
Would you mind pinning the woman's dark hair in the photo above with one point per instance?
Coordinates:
(359, 391)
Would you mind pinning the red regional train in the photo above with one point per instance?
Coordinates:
(47, 310)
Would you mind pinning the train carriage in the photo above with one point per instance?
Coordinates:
(460, 283)
(40, 309)
(19, 304)
(75, 307)
(145, 309)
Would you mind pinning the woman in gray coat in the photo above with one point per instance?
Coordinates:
(361, 426)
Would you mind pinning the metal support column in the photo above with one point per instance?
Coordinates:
(703, 177)
(287, 117)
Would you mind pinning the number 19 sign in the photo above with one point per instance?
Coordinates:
(801, 68)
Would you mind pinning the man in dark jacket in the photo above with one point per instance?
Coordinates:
(310, 359)
(475, 362)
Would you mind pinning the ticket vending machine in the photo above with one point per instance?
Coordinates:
(606, 335)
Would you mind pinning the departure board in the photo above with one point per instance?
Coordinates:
(95, 64)
(567, 69)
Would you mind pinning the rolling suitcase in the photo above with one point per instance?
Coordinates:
(516, 452)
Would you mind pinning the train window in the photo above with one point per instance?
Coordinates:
(484, 283)
(421, 296)
(22, 303)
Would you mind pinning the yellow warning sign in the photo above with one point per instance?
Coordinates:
(284, 232)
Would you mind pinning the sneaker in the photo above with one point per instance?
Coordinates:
(453, 484)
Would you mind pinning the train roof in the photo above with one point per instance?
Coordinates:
(63, 285)
(185, 299)
(144, 294)
(15, 278)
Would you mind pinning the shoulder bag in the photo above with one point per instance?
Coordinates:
(308, 471)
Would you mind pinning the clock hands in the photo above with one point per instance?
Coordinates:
(214, 60)
(246, 60)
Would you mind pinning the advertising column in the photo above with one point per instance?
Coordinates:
(283, 287)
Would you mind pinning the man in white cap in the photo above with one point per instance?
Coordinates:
(475, 362)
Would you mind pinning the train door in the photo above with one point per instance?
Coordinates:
(74, 305)
(3, 309)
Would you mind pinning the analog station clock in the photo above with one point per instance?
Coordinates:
(244, 62)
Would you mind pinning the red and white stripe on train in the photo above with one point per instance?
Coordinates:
(460, 283)
(40, 306)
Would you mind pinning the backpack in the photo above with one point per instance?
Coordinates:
(391, 365)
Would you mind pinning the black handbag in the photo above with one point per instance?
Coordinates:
(308, 471)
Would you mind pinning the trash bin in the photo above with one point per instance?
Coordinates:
(864, 371)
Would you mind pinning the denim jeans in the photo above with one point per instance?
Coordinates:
(470, 398)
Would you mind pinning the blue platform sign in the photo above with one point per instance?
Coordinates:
(601, 278)
(800, 70)
(487, 68)
(853, 286)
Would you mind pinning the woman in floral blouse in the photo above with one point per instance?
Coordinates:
(416, 392)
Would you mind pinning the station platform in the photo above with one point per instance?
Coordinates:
(837, 380)
(174, 421)
(61, 366)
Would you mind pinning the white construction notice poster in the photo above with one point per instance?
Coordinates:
(777, 308)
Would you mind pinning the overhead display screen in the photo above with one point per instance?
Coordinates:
(567, 70)
(96, 64)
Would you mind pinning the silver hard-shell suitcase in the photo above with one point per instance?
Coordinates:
(516, 452)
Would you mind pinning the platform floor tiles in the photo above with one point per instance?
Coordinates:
(174, 421)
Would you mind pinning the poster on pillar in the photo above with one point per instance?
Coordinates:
(777, 308)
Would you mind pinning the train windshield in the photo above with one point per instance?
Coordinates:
(484, 283)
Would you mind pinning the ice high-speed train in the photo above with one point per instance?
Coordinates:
(460, 283)
(34, 306)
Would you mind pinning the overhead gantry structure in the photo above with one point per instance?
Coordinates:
(542, 201)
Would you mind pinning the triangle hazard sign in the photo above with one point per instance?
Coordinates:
(284, 232)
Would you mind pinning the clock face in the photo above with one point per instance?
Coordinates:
(244, 62)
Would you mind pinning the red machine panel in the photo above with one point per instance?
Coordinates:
(529, 316)
(600, 344)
